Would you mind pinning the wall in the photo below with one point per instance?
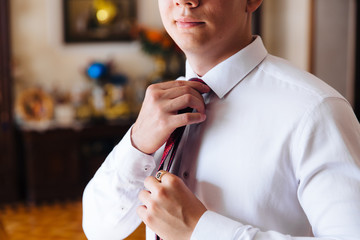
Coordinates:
(41, 58)
(317, 36)
(286, 30)
(335, 45)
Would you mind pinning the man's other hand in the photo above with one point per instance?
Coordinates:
(170, 209)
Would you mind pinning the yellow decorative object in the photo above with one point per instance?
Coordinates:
(117, 111)
(34, 105)
(84, 112)
(115, 105)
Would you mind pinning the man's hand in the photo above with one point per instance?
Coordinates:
(158, 116)
(170, 209)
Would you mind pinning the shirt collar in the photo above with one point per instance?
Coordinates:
(224, 76)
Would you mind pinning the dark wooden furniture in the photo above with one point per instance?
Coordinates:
(59, 163)
(8, 167)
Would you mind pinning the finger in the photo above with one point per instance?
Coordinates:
(144, 197)
(150, 183)
(183, 102)
(159, 175)
(141, 212)
(179, 91)
(168, 178)
(145, 216)
(186, 119)
(200, 87)
(171, 180)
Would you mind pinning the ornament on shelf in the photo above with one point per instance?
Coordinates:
(108, 93)
(34, 107)
(64, 111)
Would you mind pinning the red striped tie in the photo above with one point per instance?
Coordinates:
(173, 142)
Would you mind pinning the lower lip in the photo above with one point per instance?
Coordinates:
(189, 24)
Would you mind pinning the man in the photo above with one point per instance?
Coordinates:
(269, 152)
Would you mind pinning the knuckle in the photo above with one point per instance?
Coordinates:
(187, 98)
(150, 89)
(152, 92)
(141, 212)
(155, 96)
(185, 118)
(153, 207)
(170, 181)
(147, 179)
(148, 219)
(173, 181)
(161, 192)
(180, 83)
(187, 89)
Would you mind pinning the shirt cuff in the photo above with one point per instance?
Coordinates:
(131, 164)
(215, 226)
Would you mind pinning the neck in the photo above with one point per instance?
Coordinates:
(204, 60)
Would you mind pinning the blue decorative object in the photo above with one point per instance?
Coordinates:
(97, 70)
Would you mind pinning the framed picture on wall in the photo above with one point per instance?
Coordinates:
(99, 20)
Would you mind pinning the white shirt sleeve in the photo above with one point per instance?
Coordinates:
(327, 165)
(110, 199)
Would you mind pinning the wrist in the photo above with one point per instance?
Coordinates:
(135, 142)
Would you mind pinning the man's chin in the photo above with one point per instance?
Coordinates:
(190, 44)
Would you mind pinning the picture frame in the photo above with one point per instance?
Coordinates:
(99, 20)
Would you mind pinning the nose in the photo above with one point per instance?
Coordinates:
(187, 3)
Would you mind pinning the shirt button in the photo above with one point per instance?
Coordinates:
(186, 175)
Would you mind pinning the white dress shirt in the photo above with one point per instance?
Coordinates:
(278, 157)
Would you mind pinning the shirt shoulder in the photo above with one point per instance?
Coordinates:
(283, 74)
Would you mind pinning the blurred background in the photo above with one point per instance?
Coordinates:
(73, 75)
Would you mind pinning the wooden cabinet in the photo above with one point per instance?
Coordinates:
(50, 165)
(8, 168)
(58, 163)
